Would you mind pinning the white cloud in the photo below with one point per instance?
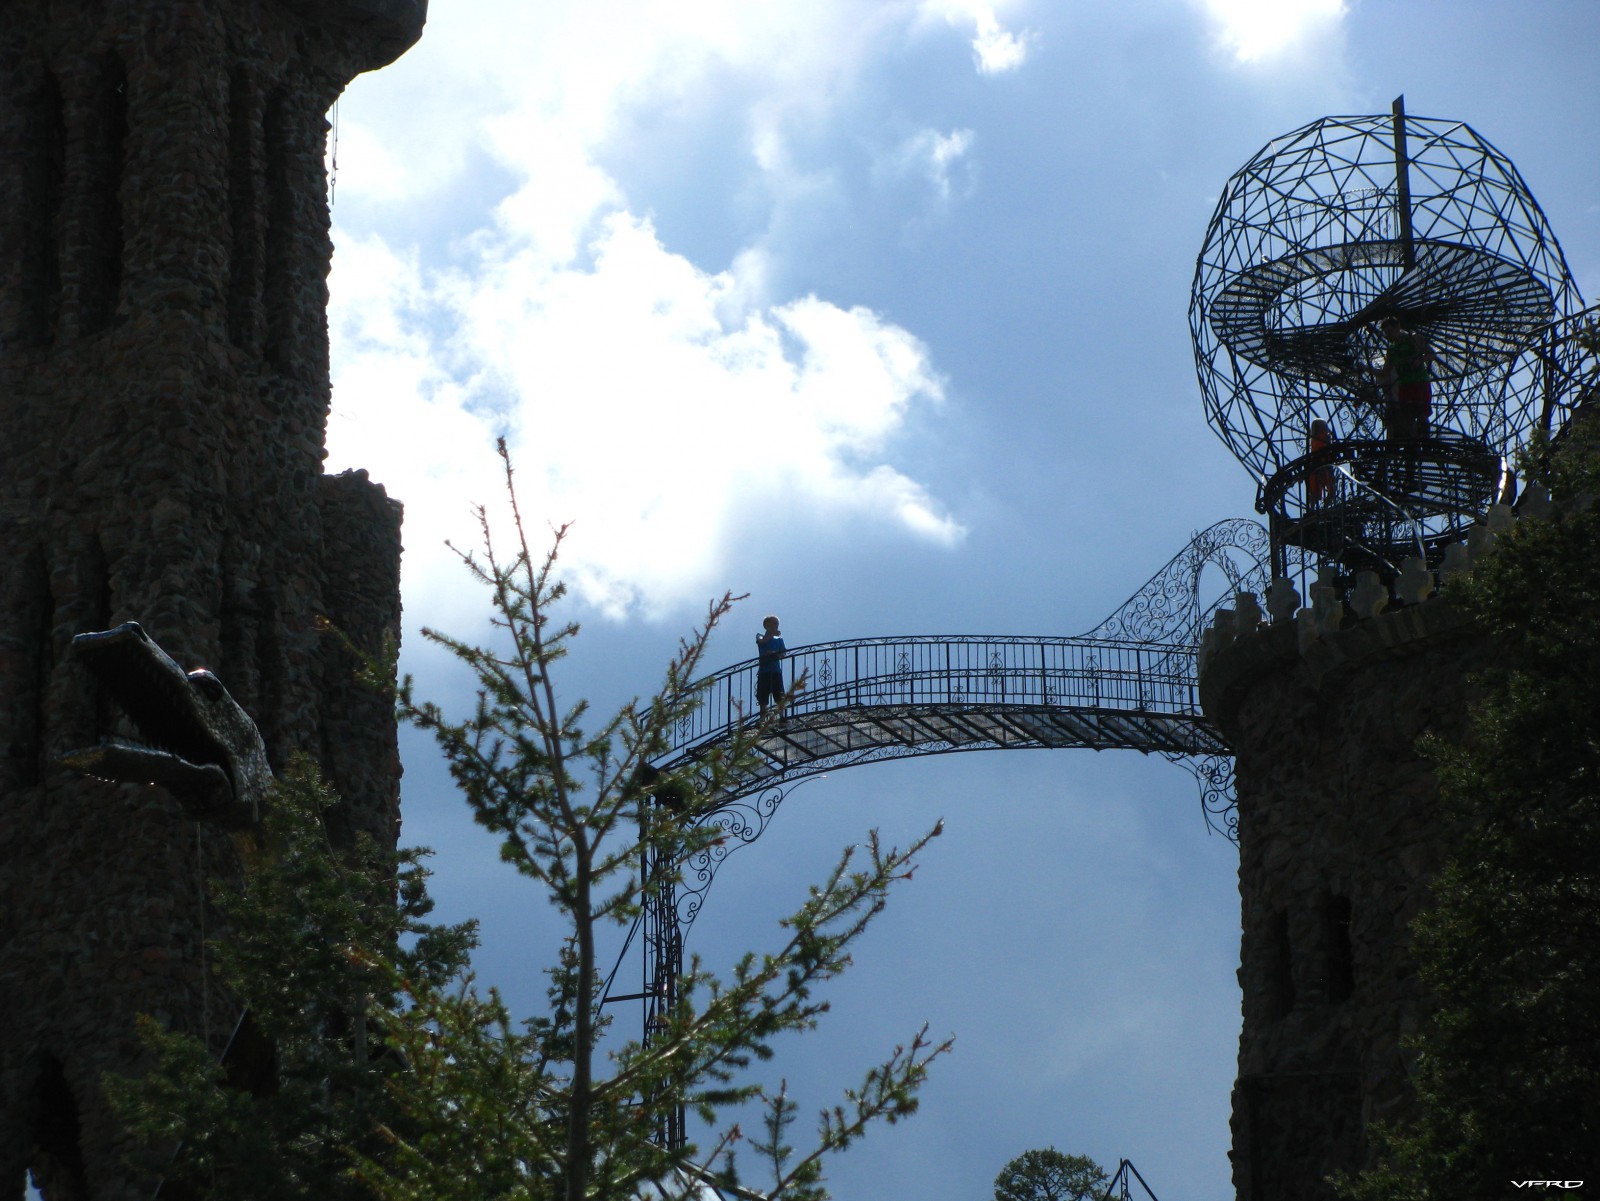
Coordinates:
(995, 49)
(654, 402)
(942, 152)
(938, 159)
(644, 399)
(1258, 30)
(998, 50)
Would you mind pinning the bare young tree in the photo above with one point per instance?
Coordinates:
(467, 1102)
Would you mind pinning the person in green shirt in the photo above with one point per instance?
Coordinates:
(1407, 368)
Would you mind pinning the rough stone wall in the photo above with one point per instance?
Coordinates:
(164, 247)
(1339, 834)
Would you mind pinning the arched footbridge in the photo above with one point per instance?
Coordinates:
(882, 698)
(870, 699)
(1129, 683)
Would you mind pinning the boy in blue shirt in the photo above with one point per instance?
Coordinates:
(769, 671)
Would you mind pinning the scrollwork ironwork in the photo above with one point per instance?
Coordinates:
(1218, 801)
(1168, 610)
(741, 821)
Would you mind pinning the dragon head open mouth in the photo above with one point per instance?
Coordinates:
(194, 739)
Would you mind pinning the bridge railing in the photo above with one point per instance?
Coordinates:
(957, 672)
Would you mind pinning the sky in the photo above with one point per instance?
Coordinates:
(876, 311)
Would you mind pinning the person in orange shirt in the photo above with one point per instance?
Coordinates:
(1319, 484)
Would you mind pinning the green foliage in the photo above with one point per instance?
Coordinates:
(306, 925)
(1508, 1068)
(1050, 1175)
(472, 1103)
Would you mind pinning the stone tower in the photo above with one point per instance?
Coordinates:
(1339, 834)
(1336, 252)
(164, 388)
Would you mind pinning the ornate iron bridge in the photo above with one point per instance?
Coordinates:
(1128, 683)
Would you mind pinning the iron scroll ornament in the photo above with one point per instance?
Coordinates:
(740, 821)
(1168, 610)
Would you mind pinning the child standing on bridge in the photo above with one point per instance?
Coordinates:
(769, 670)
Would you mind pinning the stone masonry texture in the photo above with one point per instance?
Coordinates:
(164, 390)
(1339, 835)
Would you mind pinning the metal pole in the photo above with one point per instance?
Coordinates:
(1402, 179)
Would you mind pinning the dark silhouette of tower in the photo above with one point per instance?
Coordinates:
(164, 248)
(1339, 834)
(1330, 236)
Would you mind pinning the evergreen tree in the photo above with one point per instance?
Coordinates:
(1050, 1175)
(1508, 1067)
(323, 947)
(397, 1078)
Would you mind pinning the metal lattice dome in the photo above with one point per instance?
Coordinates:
(1321, 235)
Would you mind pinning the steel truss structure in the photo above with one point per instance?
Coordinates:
(1130, 682)
(1322, 234)
(1120, 1187)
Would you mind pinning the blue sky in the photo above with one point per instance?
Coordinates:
(877, 312)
